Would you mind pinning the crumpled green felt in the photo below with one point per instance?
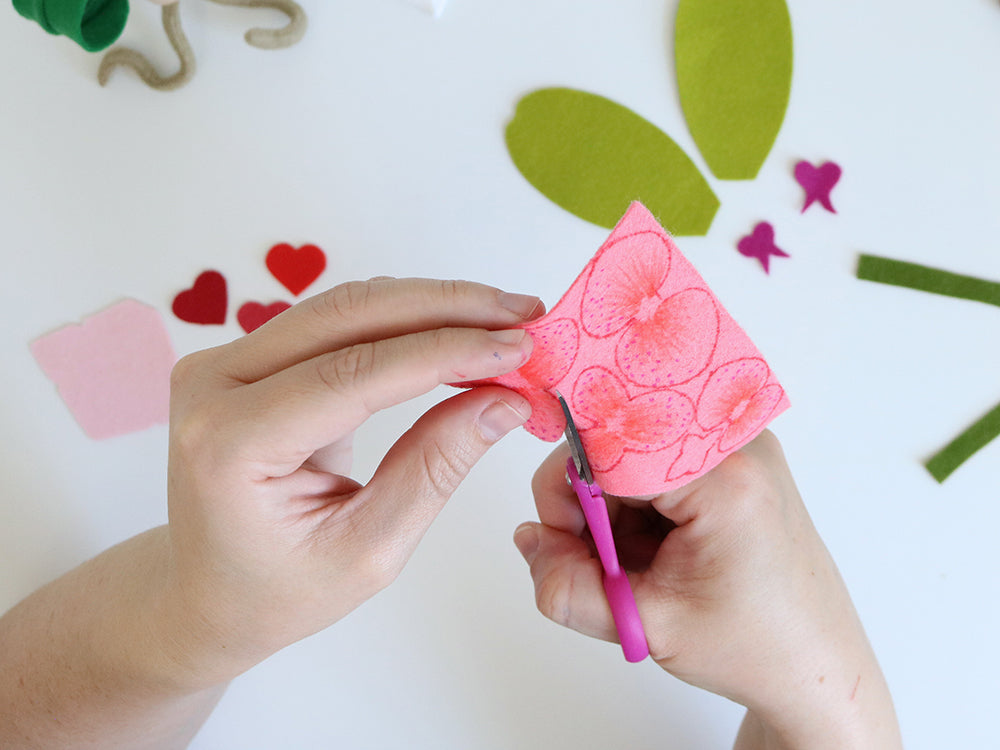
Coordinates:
(594, 157)
(734, 74)
(93, 24)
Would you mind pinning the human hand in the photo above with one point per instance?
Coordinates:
(270, 541)
(737, 594)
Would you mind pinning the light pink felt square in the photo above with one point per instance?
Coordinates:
(661, 381)
(112, 370)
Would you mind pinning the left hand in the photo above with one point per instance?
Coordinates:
(270, 540)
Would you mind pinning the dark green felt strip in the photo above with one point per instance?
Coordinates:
(927, 279)
(962, 448)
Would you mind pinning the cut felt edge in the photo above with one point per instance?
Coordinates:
(927, 279)
(594, 157)
(111, 369)
(734, 61)
(937, 281)
(946, 461)
(594, 365)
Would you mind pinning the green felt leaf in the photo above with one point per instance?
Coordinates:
(734, 73)
(594, 157)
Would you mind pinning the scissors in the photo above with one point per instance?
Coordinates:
(595, 510)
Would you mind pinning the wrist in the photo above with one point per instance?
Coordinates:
(197, 644)
(847, 709)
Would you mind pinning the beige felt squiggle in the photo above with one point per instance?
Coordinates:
(274, 38)
(129, 58)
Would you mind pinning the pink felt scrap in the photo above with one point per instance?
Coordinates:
(112, 370)
(661, 381)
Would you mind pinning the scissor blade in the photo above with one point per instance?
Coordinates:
(575, 445)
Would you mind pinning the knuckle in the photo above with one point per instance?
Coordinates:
(187, 371)
(340, 370)
(379, 565)
(441, 340)
(445, 468)
(451, 290)
(748, 484)
(379, 571)
(191, 433)
(345, 301)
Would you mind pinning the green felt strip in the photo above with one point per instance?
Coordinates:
(927, 279)
(93, 24)
(734, 75)
(962, 448)
(594, 157)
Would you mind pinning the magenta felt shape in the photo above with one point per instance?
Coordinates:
(113, 370)
(662, 382)
(760, 245)
(818, 183)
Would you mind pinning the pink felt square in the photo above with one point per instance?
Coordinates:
(112, 370)
(662, 382)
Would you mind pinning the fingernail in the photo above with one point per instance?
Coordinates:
(523, 305)
(526, 540)
(498, 419)
(511, 336)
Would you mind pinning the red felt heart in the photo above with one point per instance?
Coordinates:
(205, 302)
(296, 268)
(253, 315)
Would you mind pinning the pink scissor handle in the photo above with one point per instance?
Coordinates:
(616, 584)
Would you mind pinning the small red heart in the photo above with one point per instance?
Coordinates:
(205, 302)
(253, 315)
(295, 268)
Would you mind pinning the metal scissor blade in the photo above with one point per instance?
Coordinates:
(575, 445)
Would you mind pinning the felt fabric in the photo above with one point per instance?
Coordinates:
(966, 445)
(112, 370)
(734, 75)
(594, 157)
(252, 315)
(205, 303)
(760, 245)
(934, 280)
(818, 182)
(927, 279)
(296, 268)
(93, 24)
(661, 381)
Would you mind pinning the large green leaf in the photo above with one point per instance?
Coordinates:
(594, 157)
(734, 73)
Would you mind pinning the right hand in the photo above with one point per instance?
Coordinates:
(737, 594)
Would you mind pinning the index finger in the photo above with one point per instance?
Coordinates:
(361, 312)
(280, 421)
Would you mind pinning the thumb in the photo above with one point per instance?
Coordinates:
(568, 579)
(427, 464)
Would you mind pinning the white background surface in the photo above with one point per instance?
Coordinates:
(380, 138)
